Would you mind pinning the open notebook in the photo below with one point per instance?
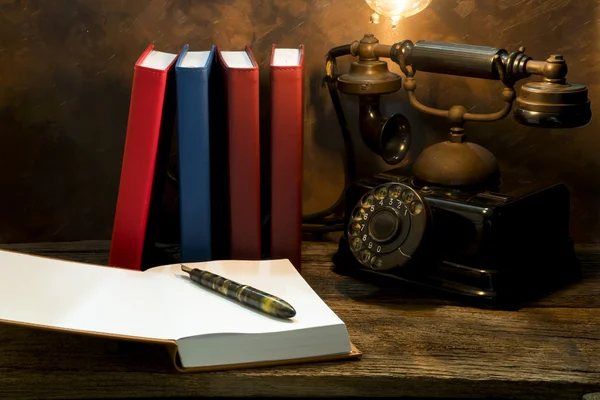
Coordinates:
(203, 330)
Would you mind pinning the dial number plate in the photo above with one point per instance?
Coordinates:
(406, 205)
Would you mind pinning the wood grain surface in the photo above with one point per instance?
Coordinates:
(414, 343)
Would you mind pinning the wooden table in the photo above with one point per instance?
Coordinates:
(414, 344)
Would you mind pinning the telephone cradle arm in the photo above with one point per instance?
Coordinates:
(549, 103)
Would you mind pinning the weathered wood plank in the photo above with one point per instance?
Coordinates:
(414, 344)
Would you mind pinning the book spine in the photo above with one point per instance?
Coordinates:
(242, 85)
(137, 179)
(219, 185)
(287, 126)
(194, 163)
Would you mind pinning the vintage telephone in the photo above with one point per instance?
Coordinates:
(452, 221)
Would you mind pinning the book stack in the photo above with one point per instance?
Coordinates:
(212, 97)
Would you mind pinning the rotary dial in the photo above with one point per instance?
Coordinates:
(386, 226)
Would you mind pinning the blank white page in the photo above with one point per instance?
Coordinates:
(161, 303)
(237, 59)
(158, 60)
(194, 59)
(286, 57)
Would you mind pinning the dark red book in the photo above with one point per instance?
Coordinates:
(241, 76)
(287, 127)
(151, 117)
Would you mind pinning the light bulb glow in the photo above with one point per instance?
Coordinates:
(397, 9)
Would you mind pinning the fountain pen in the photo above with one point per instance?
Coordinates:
(244, 294)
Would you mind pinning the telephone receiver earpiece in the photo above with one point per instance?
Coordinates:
(553, 105)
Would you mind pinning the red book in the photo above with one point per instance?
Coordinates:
(287, 126)
(149, 124)
(243, 135)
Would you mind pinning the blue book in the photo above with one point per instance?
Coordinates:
(192, 71)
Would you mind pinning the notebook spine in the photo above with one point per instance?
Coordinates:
(287, 125)
(149, 120)
(194, 159)
(242, 86)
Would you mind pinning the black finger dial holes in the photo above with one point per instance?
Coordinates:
(387, 226)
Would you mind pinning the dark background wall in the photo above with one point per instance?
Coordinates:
(66, 68)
